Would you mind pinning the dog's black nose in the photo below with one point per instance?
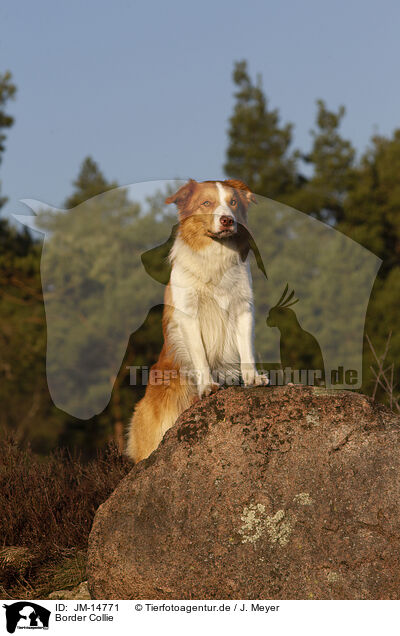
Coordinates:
(226, 221)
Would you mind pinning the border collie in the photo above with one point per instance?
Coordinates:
(208, 310)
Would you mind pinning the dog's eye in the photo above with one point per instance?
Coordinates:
(206, 203)
(233, 202)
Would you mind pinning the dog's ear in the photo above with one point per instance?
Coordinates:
(244, 189)
(182, 196)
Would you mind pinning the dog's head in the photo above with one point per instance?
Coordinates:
(212, 209)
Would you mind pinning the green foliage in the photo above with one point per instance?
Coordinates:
(27, 408)
(372, 209)
(332, 285)
(332, 160)
(89, 183)
(258, 145)
(26, 404)
(98, 296)
(7, 92)
(372, 217)
(359, 198)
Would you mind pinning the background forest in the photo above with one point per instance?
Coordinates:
(359, 196)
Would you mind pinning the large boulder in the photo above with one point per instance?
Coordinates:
(263, 493)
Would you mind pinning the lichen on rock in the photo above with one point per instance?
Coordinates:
(278, 527)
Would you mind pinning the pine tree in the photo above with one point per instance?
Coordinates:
(23, 389)
(101, 295)
(332, 159)
(372, 209)
(89, 182)
(7, 92)
(372, 218)
(258, 150)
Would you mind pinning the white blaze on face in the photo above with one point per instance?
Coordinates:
(223, 209)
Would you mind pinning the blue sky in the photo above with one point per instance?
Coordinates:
(146, 88)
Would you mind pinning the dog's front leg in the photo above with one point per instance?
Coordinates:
(190, 328)
(185, 302)
(245, 339)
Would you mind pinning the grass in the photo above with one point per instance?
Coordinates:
(47, 507)
(384, 376)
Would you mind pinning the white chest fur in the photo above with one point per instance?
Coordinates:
(210, 289)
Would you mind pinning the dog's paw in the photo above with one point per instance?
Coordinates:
(262, 379)
(251, 377)
(206, 389)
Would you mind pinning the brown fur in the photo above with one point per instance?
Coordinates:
(165, 399)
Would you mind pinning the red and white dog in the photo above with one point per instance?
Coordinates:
(208, 310)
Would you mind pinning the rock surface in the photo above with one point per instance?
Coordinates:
(264, 493)
(78, 593)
